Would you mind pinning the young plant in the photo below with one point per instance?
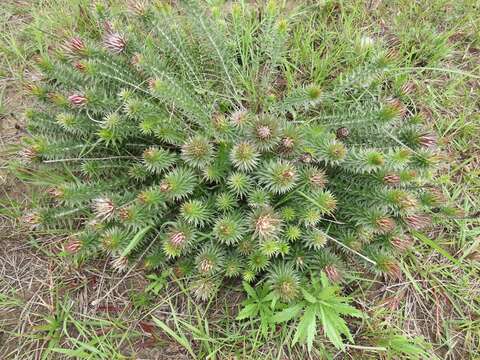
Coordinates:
(260, 305)
(320, 302)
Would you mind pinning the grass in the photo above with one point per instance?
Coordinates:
(51, 310)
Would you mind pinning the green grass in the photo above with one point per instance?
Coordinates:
(42, 315)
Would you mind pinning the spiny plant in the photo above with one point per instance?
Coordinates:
(204, 141)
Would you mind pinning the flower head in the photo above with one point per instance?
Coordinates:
(75, 45)
(115, 43)
(427, 140)
(77, 100)
(418, 221)
(104, 208)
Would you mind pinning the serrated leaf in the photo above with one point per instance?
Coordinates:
(287, 314)
(250, 310)
(330, 328)
(249, 290)
(309, 297)
(306, 324)
(345, 309)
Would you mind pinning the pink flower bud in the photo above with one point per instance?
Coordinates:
(177, 238)
(427, 140)
(418, 221)
(115, 43)
(391, 179)
(75, 46)
(73, 245)
(77, 100)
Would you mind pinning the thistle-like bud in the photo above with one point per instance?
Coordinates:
(306, 158)
(342, 133)
(318, 179)
(75, 46)
(177, 238)
(152, 84)
(332, 273)
(77, 100)
(112, 239)
(385, 225)
(60, 100)
(293, 233)
(115, 43)
(124, 213)
(427, 140)
(288, 143)
(73, 245)
(204, 288)
(433, 197)
(239, 118)
(80, 66)
(108, 27)
(407, 202)
(34, 89)
(157, 160)
(279, 176)
(28, 154)
(264, 132)
(119, 263)
(391, 179)
(206, 265)
(136, 59)
(393, 270)
(197, 151)
(233, 265)
(195, 212)
(104, 208)
(266, 224)
(137, 7)
(165, 187)
(314, 93)
(284, 281)
(398, 106)
(33, 219)
(315, 239)
(408, 88)
(336, 152)
(402, 243)
(418, 221)
(55, 192)
(244, 156)
(229, 229)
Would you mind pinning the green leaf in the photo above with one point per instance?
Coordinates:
(250, 291)
(435, 246)
(311, 329)
(330, 323)
(134, 242)
(181, 339)
(250, 310)
(310, 298)
(287, 314)
(307, 324)
(345, 309)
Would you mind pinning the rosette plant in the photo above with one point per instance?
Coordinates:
(203, 141)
